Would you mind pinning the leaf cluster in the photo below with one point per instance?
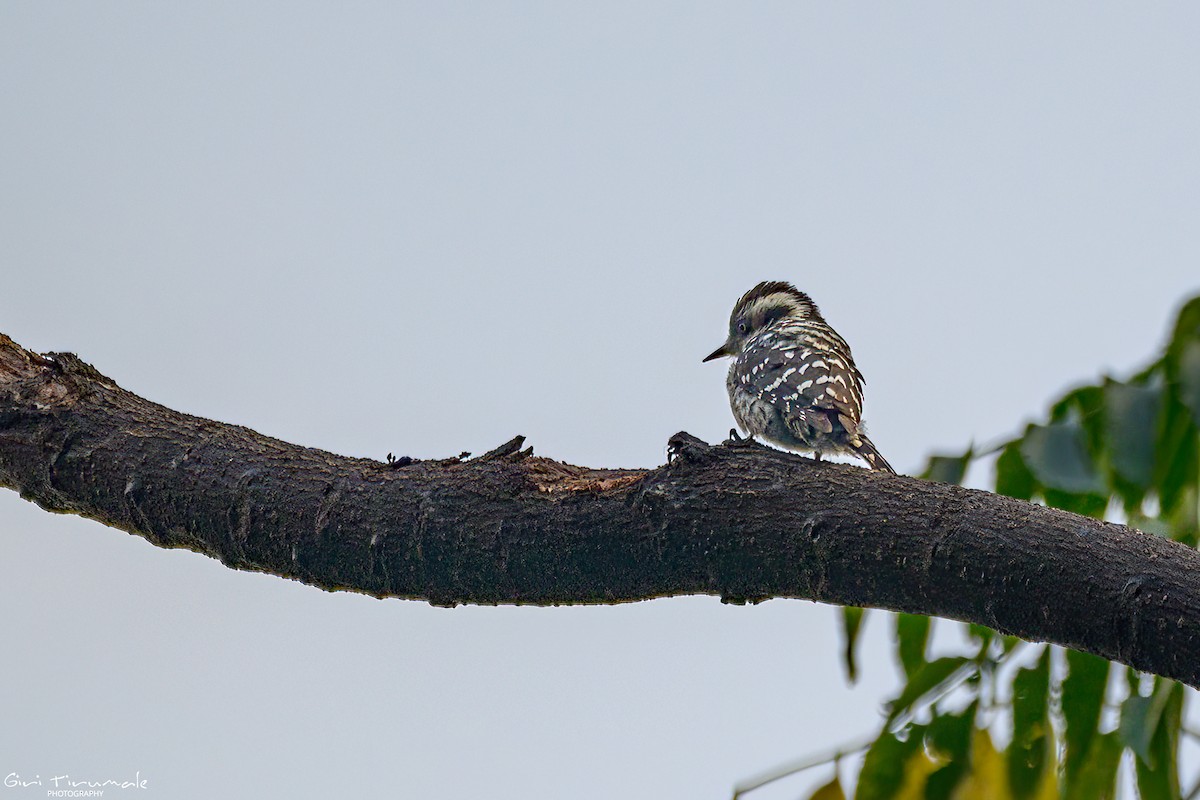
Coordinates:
(1127, 449)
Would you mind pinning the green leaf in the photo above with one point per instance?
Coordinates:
(950, 737)
(1057, 456)
(986, 778)
(981, 634)
(1155, 526)
(1177, 455)
(830, 791)
(1089, 505)
(1187, 328)
(985, 636)
(1130, 428)
(1082, 698)
(1085, 406)
(926, 679)
(883, 769)
(942, 782)
(912, 636)
(1096, 778)
(1177, 445)
(1138, 722)
(1189, 378)
(852, 619)
(1184, 522)
(1032, 738)
(948, 469)
(1158, 776)
(1013, 478)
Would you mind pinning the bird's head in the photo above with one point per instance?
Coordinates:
(763, 306)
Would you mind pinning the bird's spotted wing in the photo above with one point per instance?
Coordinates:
(816, 388)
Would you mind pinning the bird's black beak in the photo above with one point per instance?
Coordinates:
(720, 352)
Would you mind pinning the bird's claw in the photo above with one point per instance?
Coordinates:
(737, 440)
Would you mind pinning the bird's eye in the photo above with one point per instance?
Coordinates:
(742, 326)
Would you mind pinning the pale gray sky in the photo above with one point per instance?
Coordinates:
(424, 228)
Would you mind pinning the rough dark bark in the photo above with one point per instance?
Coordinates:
(743, 522)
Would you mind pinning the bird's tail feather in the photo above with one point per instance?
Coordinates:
(865, 449)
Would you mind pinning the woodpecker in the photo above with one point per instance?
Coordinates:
(793, 381)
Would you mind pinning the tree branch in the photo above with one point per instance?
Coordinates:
(743, 522)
